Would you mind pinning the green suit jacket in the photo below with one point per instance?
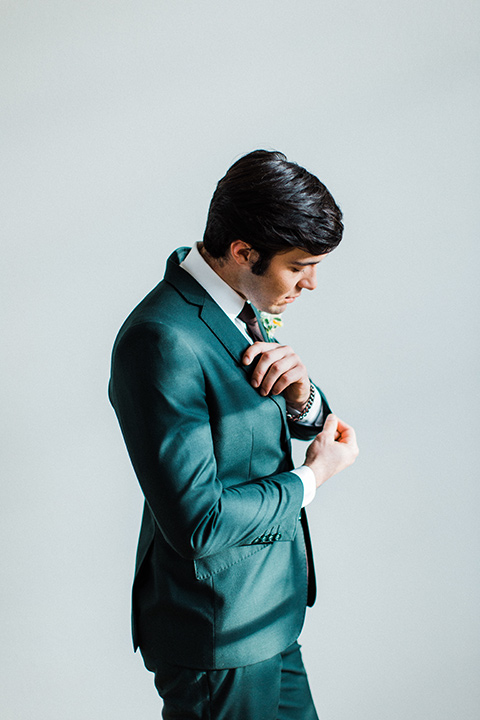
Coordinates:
(221, 572)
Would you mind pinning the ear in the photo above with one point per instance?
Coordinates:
(243, 253)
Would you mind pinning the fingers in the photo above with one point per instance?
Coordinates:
(285, 380)
(348, 438)
(330, 427)
(336, 430)
(342, 425)
(347, 433)
(278, 367)
(278, 376)
(254, 350)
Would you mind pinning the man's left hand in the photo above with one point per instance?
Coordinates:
(279, 370)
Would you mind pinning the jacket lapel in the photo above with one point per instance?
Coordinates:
(210, 313)
(224, 330)
(236, 344)
(215, 319)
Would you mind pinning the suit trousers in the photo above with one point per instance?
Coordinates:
(275, 689)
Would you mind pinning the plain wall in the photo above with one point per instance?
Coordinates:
(118, 118)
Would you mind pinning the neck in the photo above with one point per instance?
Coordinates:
(223, 269)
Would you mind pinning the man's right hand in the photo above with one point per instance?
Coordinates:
(334, 449)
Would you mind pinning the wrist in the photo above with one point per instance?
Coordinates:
(298, 411)
(319, 470)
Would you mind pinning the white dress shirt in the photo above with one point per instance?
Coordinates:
(232, 303)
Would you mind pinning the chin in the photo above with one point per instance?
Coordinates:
(273, 308)
(277, 309)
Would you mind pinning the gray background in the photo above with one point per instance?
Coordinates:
(118, 118)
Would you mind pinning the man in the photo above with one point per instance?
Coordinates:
(207, 406)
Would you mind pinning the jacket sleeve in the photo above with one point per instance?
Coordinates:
(157, 388)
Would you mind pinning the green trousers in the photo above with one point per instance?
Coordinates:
(275, 689)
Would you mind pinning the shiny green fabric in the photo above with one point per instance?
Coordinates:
(275, 689)
(221, 577)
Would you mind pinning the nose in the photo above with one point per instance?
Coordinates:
(309, 279)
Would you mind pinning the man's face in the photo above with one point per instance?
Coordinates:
(286, 276)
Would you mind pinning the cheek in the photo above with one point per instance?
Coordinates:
(280, 284)
(278, 288)
(291, 282)
(287, 286)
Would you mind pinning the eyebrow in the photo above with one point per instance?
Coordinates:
(306, 262)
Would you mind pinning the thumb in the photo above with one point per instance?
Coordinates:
(330, 426)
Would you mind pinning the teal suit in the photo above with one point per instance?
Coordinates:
(221, 572)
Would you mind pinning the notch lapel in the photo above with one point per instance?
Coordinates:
(216, 320)
(235, 342)
(210, 313)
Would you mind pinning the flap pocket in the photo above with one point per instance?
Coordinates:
(212, 564)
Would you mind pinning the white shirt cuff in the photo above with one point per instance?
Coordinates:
(307, 477)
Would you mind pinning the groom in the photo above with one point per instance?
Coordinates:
(207, 406)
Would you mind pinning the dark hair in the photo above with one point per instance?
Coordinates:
(273, 205)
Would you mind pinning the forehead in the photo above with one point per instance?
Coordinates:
(299, 257)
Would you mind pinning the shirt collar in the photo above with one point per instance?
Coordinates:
(225, 296)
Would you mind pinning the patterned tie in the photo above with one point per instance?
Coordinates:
(250, 319)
